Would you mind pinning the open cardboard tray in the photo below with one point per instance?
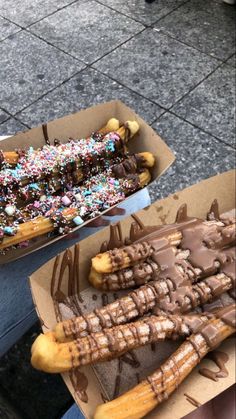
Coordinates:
(81, 125)
(102, 377)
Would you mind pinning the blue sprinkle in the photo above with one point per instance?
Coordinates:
(33, 186)
(85, 193)
(8, 230)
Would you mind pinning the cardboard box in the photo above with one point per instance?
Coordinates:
(80, 125)
(102, 377)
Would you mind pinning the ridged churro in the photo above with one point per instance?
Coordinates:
(157, 387)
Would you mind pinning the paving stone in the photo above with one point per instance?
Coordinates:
(87, 88)
(206, 25)
(198, 156)
(30, 68)
(3, 116)
(157, 66)
(11, 127)
(211, 105)
(146, 13)
(25, 12)
(87, 29)
(232, 61)
(7, 28)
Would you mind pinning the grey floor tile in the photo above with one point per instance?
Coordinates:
(146, 13)
(206, 25)
(87, 29)
(232, 61)
(11, 127)
(198, 155)
(86, 89)
(3, 116)
(30, 68)
(157, 66)
(7, 28)
(211, 106)
(25, 12)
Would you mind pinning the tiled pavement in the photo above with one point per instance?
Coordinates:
(173, 61)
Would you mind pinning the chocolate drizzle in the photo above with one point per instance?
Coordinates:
(72, 300)
(191, 400)
(214, 213)
(220, 359)
(132, 164)
(115, 241)
(45, 133)
(205, 252)
(117, 387)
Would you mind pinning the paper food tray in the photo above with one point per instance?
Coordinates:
(101, 378)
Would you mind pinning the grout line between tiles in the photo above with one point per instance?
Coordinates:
(54, 46)
(129, 88)
(136, 19)
(195, 126)
(196, 85)
(48, 91)
(187, 44)
(39, 20)
(205, 131)
(118, 46)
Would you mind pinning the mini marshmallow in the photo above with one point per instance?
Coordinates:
(65, 200)
(78, 197)
(78, 220)
(10, 210)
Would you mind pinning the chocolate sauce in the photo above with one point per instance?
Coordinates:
(75, 286)
(227, 315)
(45, 133)
(104, 297)
(220, 359)
(214, 213)
(120, 365)
(80, 384)
(131, 359)
(104, 399)
(130, 165)
(67, 262)
(153, 346)
(181, 215)
(191, 400)
(116, 240)
(53, 280)
(117, 387)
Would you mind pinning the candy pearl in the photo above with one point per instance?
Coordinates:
(78, 220)
(65, 200)
(43, 198)
(10, 210)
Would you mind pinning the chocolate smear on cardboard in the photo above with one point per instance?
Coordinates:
(220, 358)
(191, 400)
(70, 262)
